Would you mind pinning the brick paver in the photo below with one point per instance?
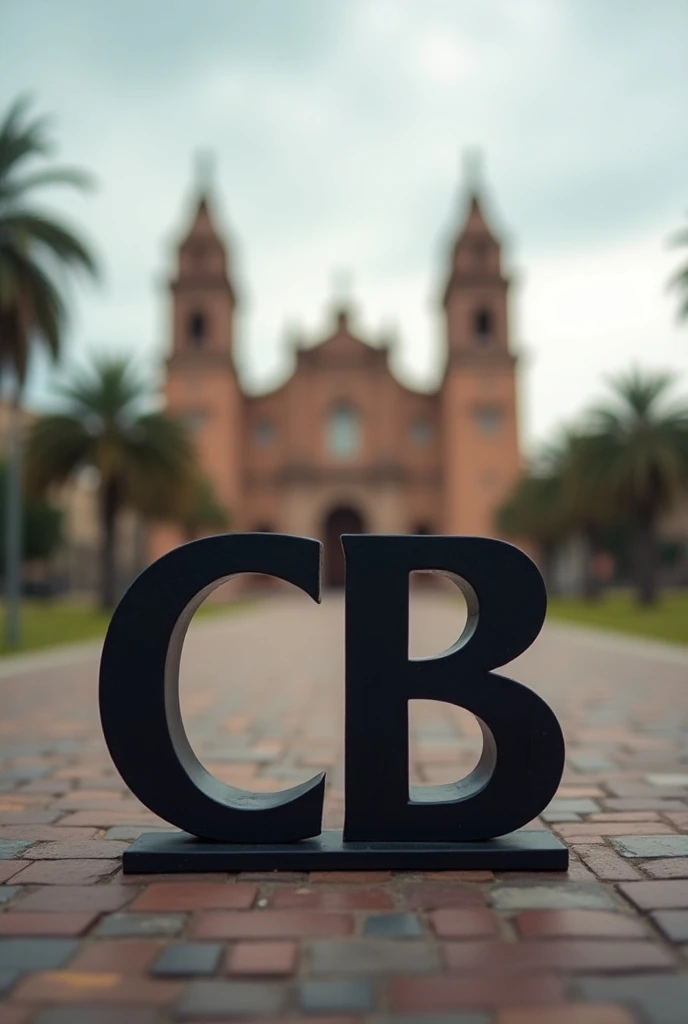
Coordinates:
(262, 699)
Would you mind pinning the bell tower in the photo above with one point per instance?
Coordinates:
(201, 384)
(478, 396)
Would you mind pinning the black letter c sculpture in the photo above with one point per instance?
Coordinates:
(139, 692)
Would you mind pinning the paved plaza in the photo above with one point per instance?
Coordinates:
(262, 695)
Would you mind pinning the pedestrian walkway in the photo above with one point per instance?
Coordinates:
(262, 696)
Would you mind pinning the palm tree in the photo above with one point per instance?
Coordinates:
(587, 518)
(539, 506)
(534, 510)
(632, 463)
(34, 246)
(680, 279)
(144, 457)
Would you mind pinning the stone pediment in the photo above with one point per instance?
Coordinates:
(342, 349)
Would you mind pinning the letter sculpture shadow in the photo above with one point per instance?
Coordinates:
(473, 823)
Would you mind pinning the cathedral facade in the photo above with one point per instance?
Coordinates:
(342, 446)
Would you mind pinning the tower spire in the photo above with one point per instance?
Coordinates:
(473, 192)
(204, 172)
(472, 164)
(202, 252)
(202, 224)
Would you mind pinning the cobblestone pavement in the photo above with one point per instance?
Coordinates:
(262, 695)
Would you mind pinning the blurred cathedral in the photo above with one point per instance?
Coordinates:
(343, 446)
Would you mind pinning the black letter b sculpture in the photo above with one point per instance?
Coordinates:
(474, 823)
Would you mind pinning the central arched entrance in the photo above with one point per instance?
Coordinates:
(340, 520)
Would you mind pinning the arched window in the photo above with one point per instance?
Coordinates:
(482, 325)
(198, 329)
(343, 435)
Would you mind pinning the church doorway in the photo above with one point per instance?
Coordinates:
(340, 520)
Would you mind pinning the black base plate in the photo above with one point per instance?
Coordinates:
(166, 852)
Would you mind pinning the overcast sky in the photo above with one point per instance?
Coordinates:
(337, 128)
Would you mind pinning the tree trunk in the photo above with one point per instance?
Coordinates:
(109, 507)
(13, 522)
(645, 558)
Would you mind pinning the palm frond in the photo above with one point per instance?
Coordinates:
(553, 455)
(159, 462)
(12, 188)
(33, 246)
(31, 229)
(640, 394)
(107, 389)
(28, 290)
(57, 446)
(633, 458)
(21, 138)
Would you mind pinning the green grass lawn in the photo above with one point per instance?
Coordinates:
(51, 623)
(48, 624)
(618, 611)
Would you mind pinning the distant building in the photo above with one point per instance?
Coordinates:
(342, 446)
